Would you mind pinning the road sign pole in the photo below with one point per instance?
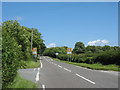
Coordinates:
(31, 39)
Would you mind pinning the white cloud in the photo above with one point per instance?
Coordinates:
(98, 42)
(51, 45)
(18, 18)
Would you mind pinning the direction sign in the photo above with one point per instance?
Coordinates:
(34, 51)
(69, 49)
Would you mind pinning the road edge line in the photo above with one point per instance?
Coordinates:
(85, 78)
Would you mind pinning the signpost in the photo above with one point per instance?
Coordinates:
(56, 53)
(34, 52)
(69, 52)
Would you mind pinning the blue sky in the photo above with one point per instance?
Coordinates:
(64, 24)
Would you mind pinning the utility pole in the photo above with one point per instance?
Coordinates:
(31, 39)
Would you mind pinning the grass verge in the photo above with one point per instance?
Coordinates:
(30, 64)
(19, 82)
(96, 66)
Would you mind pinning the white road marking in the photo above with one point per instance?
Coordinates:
(38, 69)
(37, 76)
(84, 68)
(41, 64)
(110, 72)
(67, 70)
(43, 86)
(59, 66)
(85, 79)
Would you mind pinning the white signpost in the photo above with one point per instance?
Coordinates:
(69, 52)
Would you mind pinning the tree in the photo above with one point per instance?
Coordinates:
(51, 51)
(79, 48)
(16, 47)
(106, 48)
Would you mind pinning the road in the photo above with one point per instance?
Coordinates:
(54, 74)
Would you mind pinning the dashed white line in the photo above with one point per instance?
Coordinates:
(43, 86)
(67, 70)
(37, 76)
(85, 79)
(59, 66)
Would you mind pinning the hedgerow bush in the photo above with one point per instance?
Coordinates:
(52, 51)
(16, 47)
(11, 56)
(106, 57)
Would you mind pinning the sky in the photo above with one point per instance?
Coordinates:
(65, 23)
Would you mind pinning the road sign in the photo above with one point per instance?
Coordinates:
(69, 49)
(34, 52)
(34, 49)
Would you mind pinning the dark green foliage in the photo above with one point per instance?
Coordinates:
(16, 47)
(79, 48)
(106, 57)
(51, 51)
(11, 55)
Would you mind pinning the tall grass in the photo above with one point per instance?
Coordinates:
(30, 64)
(19, 82)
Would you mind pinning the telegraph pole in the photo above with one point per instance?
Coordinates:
(31, 39)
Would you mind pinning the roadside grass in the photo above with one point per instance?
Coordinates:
(19, 82)
(30, 64)
(96, 66)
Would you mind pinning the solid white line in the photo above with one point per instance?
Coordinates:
(67, 70)
(59, 66)
(84, 68)
(41, 64)
(37, 76)
(43, 86)
(85, 79)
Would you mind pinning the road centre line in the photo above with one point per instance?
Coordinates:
(67, 70)
(43, 86)
(59, 66)
(85, 79)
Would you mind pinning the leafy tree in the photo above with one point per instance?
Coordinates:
(51, 51)
(79, 48)
(11, 56)
(16, 47)
(106, 48)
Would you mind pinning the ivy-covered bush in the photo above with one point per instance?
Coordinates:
(16, 47)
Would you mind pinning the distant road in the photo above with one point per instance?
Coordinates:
(54, 74)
